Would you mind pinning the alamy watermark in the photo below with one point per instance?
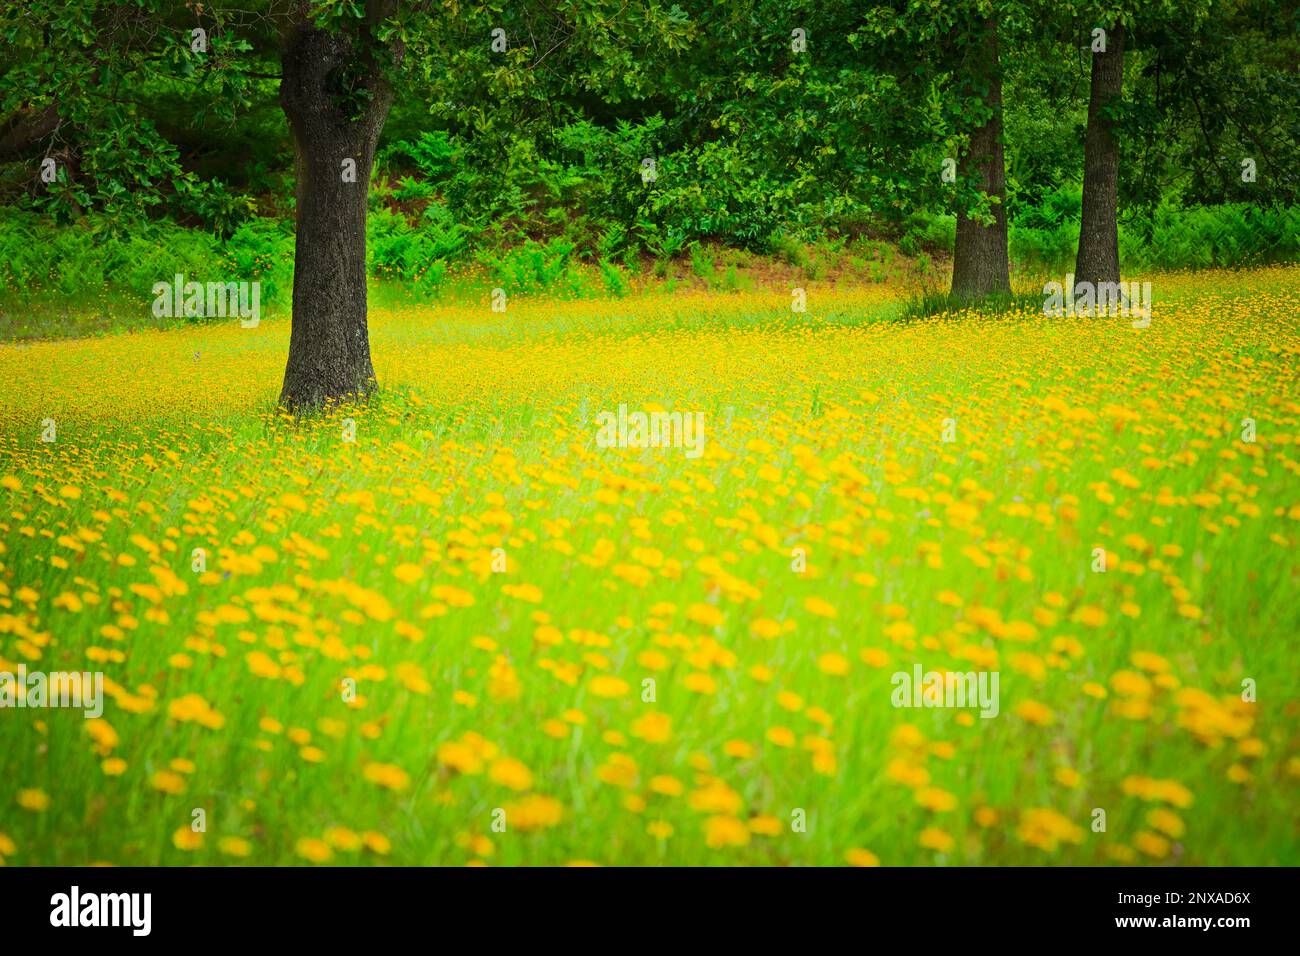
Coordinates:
(626, 429)
(80, 690)
(946, 689)
(212, 300)
(1099, 299)
(130, 910)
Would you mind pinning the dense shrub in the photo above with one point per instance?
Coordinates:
(1228, 235)
(98, 253)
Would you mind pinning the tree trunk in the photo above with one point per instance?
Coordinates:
(24, 131)
(336, 105)
(1098, 259)
(980, 267)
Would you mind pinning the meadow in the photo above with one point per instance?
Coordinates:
(446, 628)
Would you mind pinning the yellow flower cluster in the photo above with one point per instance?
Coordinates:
(472, 635)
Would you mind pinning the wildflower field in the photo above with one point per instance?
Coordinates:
(469, 635)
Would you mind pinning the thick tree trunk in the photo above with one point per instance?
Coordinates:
(980, 267)
(1098, 259)
(329, 346)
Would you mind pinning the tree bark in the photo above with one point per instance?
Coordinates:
(336, 104)
(25, 131)
(1098, 258)
(980, 267)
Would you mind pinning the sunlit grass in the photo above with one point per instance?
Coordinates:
(334, 564)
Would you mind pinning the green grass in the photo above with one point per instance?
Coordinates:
(824, 433)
